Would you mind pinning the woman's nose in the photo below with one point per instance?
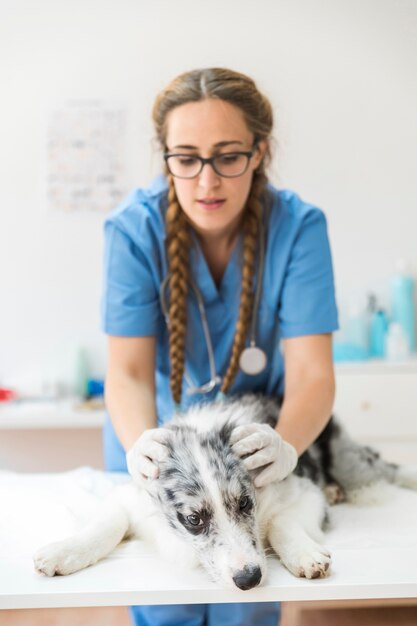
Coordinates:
(208, 178)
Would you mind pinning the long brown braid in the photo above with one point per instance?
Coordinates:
(251, 224)
(241, 91)
(178, 244)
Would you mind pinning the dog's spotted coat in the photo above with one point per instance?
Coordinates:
(204, 509)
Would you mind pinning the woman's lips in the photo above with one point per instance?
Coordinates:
(211, 204)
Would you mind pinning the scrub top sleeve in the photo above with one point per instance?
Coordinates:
(308, 303)
(130, 301)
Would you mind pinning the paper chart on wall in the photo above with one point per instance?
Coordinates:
(86, 155)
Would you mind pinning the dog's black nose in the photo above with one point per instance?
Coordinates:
(249, 577)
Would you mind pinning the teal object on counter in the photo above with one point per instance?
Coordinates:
(345, 352)
(81, 373)
(378, 332)
(403, 310)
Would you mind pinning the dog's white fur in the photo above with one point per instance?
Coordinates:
(290, 514)
(287, 516)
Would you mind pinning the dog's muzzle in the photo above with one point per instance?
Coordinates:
(248, 578)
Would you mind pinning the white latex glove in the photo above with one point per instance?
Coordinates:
(265, 447)
(143, 457)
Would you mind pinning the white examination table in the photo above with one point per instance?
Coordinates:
(374, 550)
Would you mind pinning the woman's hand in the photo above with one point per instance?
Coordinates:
(143, 457)
(262, 446)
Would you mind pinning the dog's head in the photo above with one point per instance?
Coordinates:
(208, 498)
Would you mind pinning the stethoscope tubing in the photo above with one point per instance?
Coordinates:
(215, 378)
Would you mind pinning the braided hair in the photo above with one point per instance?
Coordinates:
(241, 91)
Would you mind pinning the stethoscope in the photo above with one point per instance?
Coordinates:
(253, 359)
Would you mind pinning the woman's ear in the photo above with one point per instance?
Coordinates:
(259, 153)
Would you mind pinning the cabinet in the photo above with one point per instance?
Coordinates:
(377, 403)
(49, 436)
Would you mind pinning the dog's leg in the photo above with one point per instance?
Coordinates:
(295, 530)
(297, 550)
(85, 548)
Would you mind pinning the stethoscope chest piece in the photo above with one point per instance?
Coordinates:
(252, 360)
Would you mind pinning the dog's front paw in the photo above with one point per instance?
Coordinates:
(312, 563)
(56, 559)
(315, 565)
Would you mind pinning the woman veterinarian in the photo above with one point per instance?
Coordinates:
(215, 283)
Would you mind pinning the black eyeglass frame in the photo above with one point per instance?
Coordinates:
(210, 161)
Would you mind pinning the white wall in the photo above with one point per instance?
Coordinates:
(340, 73)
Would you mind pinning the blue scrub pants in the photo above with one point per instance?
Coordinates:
(233, 614)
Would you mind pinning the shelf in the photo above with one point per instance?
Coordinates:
(70, 413)
(49, 414)
(378, 366)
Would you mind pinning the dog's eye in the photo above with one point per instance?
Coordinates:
(245, 503)
(194, 519)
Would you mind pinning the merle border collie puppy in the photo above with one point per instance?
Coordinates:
(205, 510)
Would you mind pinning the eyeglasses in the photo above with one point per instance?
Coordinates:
(228, 164)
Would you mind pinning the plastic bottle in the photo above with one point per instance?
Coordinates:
(81, 373)
(377, 333)
(357, 327)
(403, 309)
(397, 348)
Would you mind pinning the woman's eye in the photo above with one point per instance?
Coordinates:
(228, 159)
(194, 519)
(187, 161)
(245, 504)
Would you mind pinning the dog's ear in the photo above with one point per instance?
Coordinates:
(225, 432)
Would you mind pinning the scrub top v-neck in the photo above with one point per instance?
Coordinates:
(229, 284)
(298, 296)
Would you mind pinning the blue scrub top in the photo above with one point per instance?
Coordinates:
(298, 295)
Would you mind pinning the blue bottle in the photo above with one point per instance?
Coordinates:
(377, 333)
(403, 309)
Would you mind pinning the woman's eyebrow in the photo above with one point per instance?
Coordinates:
(220, 144)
